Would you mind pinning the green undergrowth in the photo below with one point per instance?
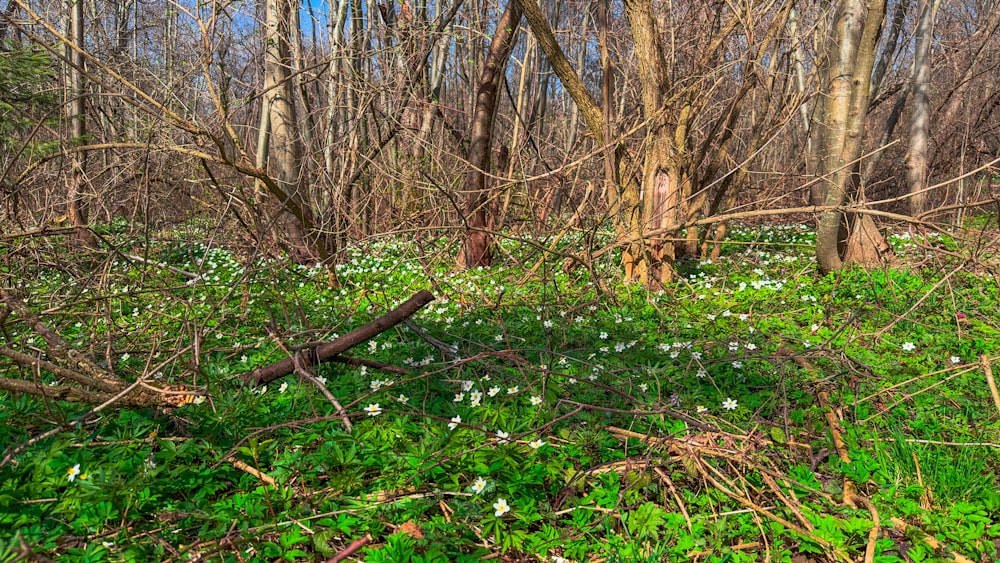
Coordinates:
(516, 429)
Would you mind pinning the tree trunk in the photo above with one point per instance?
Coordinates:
(845, 74)
(916, 159)
(476, 248)
(661, 188)
(76, 205)
(281, 143)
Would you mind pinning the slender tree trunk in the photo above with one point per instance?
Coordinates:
(476, 248)
(916, 159)
(845, 74)
(76, 205)
(281, 139)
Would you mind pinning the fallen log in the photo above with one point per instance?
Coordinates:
(328, 351)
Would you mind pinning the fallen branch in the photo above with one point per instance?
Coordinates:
(351, 549)
(251, 470)
(81, 379)
(326, 352)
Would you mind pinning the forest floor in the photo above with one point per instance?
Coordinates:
(752, 411)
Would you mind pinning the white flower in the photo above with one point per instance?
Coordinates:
(373, 409)
(498, 338)
(603, 336)
(502, 437)
(474, 403)
(454, 422)
(536, 400)
(459, 397)
(72, 472)
(493, 391)
(734, 346)
(363, 370)
(909, 346)
(478, 485)
(547, 324)
(467, 385)
(729, 404)
(535, 444)
(643, 387)
(956, 360)
(125, 357)
(199, 399)
(702, 372)
(701, 409)
(402, 399)
(751, 346)
(738, 365)
(321, 379)
(512, 390)
(710, 317)
(283, 388)
(475, 396)
(501, 507)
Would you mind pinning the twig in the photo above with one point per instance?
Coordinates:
(247, 468)
(989, 380)
(850, 491)
(302, 371)
(14, 451)
(765, 512)
(737, 547)
(673, 491)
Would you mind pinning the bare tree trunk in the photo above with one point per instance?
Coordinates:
(76, 206)
(476, 248)
(845, 74)
(661, 188)
(916, 159)
(280, 137)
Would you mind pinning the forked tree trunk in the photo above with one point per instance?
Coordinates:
(845, 74)
(476, 248)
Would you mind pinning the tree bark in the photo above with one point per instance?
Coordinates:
(845, 74)
(325, 352)
(660, 183)
(916, 159)
(76, 208)
(475, 250)
(280, 143)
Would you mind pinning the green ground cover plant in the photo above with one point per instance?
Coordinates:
(751, 411)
